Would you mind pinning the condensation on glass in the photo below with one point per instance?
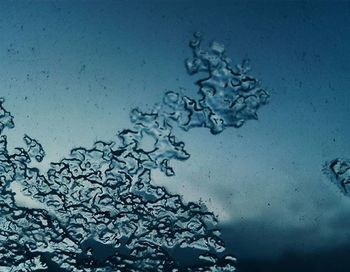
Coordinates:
(102, 211)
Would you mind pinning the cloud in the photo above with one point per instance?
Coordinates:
(334, 260)
(264, 239)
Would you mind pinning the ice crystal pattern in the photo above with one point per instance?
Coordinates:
(339, 172)
(102, 211)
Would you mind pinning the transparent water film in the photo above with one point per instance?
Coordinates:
(100, 210)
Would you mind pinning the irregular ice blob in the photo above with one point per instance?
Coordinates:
(339, 172)
(229, 96)
(6, 119)
(102, 211)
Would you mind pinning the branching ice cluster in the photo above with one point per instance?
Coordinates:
(228, 97)
(102, 211)
(339, 172)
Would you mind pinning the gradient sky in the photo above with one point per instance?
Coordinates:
(71, 71)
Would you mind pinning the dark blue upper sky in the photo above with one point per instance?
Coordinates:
(72, 70)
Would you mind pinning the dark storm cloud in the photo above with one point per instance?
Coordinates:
(335, 260)
(275, 247)
(257, 239)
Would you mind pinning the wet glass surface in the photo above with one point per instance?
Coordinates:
(131, 142)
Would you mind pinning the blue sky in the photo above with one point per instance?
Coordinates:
(72, 71)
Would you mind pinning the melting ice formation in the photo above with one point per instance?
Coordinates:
(102, 211)
(339, 172)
